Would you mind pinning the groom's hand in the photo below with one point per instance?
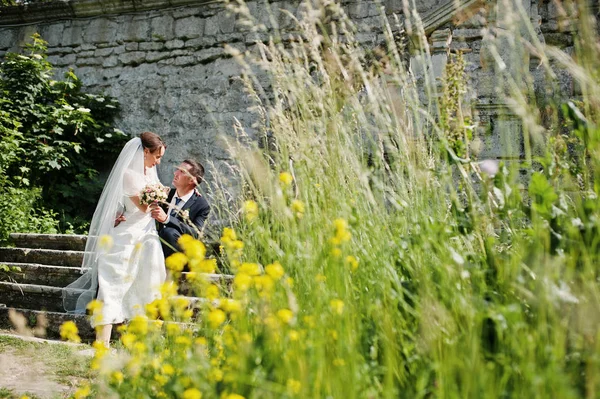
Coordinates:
(119, 219)
(158, 213)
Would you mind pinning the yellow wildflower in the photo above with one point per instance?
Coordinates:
(309, 321)
(297, 207)
(275, 270)
(161, 379)
(251, 269)
(82, 392)
(192, 393)
(183, 341)
(128, 340)
(117, 377)
(341, 232)
(231, 305)
(69, 332)
(168, 289)
(194, 249)
(215, 375)
(333, 334)
(94, 306)
(286, 179)
(285, 315)
(352, 262)
(250, 209)
(201, 341)
(185, 239)
(105, 242)
(207, 266)
(212, 292)
(321, 278)
(139, 325)
(293, 335)
(242, 282)
(234, 396)
(167, 369)
(264, 284)
(336, 252)
(293, 386)
(176, 262)
(216, 317)
(337, 306)
(228, 235)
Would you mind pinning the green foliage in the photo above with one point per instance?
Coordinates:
(56, 137)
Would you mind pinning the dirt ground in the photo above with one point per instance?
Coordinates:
(38, 368)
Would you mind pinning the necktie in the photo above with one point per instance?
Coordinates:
(174, 210)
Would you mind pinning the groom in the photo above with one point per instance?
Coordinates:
(187, 210)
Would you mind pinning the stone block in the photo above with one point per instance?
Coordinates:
(133, 30)
(185, 12)
(161, 28)
(358, 10)
(100, 30)
(200, 42)
(8, 37)
(110, 62)
(466, 35)
(189, 28)
(173, 44)
(72, 36)
(154, 56)
(211, 26)
(52, 33)
(119, 50)
(151, 46)
(185, 60)
(226, 21)
(132, 46)
(68, 59)
(135, 57)
(103, 52)
(92, 61)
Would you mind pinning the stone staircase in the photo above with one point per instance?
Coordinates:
(32, 276)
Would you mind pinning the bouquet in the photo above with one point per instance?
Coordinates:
(153, 193)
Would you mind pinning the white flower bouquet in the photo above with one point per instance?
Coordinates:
(153, 193)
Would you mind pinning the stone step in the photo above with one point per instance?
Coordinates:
(31, 296)
(54, 257)
(53, 321)
(35, 273)
(71, 242)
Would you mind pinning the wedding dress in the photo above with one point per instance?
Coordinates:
(124, 265)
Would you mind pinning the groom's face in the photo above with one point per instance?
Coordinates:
(182, 177)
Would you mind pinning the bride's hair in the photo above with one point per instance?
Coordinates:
(151, 141)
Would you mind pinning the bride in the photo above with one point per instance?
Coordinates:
(123, 261)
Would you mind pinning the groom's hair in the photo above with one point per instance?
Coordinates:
(196, 170)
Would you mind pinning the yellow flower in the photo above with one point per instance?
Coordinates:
(352, 262)
(192, 393)
(234, 396)
(337, 306)
(242, 282)
(168, 289)
(231, 305)
(341, 232)
(117, 377)
(185, 239)
(251, 269)
(139, 325)
(321, 278)
(275, 270)
(215, 375)
(94, 306)
(286, 179)
(128, 340)
(69, 331)
(285, 315)
(293, 335)
(264, 284)
(176, 262)
(228, 235)
(194, 249)
(336, 252)
(216, 317)
(333, 334)
(201, 341)
(167, 369)
(183, 341)
(250, 209)
(212, 292)
(105, 242)
(297, 208)
(293, 386)
(82, 392)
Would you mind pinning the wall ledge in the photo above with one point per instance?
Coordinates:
(73, 9)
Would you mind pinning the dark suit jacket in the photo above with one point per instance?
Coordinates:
(198, 210)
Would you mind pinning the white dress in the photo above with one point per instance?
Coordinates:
(132, 270)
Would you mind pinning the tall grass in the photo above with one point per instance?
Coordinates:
(411, 269)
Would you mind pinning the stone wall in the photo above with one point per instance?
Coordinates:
(165, 63)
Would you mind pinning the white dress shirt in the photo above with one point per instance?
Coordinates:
(173, 207)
